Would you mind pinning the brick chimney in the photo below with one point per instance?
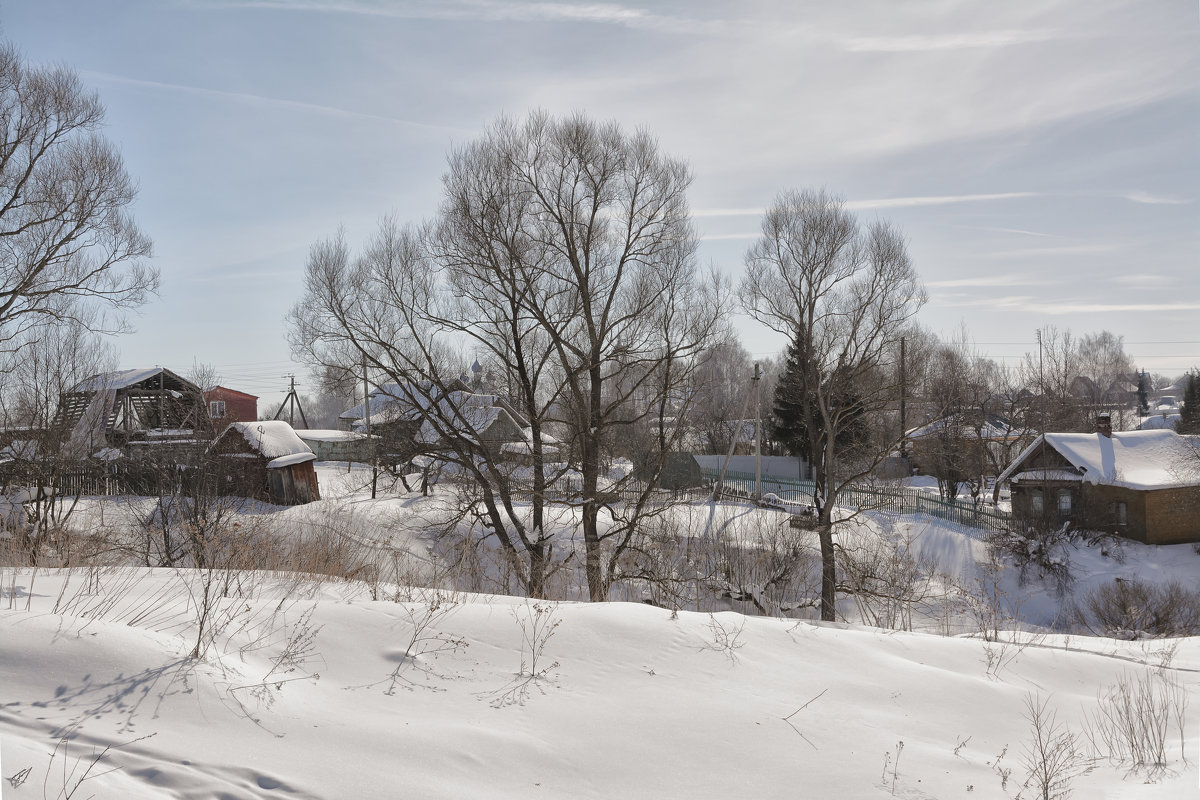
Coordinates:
(1104, 424)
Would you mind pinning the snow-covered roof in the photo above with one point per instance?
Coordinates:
(330, 436)
(125, 378)
(1157, 422)
(273, 439)
(1133, 459)
(287, 461)
(994, 427)
(1039, 475)
(472, 413)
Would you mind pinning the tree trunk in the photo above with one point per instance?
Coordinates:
(828, 572)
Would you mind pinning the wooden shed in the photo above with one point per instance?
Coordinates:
(267, 461)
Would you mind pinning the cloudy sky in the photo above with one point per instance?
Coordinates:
(1042, 157)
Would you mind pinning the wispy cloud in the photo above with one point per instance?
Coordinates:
(727, 212)
(488, 11)
(256, 99)
(1143, 281)
(948, 41)
(883, 202)
(1018, 231)
(1039, 305)
(1064, 250)
(992, 280)
(1154, 199)
(718, 237)
(937, 200)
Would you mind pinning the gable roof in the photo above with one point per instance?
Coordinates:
(227, 390)
(993, 426)
(1157, 459)
(274, 440)
(123, 379)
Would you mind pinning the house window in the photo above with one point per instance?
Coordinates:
(1064, 501)
(216, 409)
(1035, 501)
(1118, 513)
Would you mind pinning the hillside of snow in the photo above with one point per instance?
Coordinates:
(326, 694)
(130, 682)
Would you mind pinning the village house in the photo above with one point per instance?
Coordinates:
(227, 405)
(972, 445)
(266, 461)
(400, 416)
(1144, 485)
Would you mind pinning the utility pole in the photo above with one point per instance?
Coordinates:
(1041, 383)
(367, 418)
(903, 399)
(292, 401)
(757, 432)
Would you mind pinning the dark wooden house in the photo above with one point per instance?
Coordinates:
(1144, 485)
(266, 461)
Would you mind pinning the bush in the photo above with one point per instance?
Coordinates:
(1131, 609)
(1040, 551)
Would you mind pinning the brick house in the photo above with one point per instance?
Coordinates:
(227, 405)
(1143, 485)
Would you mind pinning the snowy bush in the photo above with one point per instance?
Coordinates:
(1132, 609)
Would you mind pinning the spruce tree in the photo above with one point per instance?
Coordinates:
(797, 421)
(1189, 415)
(1143, 398)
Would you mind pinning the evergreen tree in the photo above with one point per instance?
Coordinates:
(794, 412)
(796, 421)
(1189, 415)
(1143, 398)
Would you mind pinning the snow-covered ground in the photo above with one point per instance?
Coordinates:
(310, 688)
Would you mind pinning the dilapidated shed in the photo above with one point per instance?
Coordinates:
(267, 461)
(115, 408)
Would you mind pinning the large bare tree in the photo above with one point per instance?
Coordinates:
(844, 295)
(563, 258)
(68, 240)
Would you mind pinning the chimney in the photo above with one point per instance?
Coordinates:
(1104, 424)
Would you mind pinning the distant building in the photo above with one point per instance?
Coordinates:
(330, 445)
(227, 405)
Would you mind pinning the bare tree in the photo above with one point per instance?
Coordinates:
(844, 295)
(1053, 373)
(722, 392)
(563, 256)
(1107, 372)
(69, 241)
(615, 288)
(39, 369)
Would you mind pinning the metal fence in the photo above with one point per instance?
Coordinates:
(870, 498)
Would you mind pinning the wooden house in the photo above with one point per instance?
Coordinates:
(267, 461)
(1144, 485)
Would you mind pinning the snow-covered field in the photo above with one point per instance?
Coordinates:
(308, 688)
